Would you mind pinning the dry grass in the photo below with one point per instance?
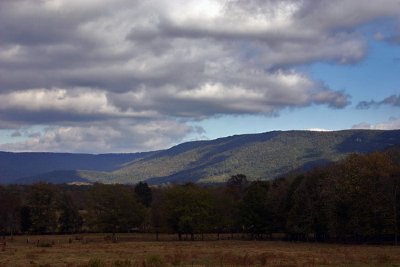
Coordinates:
(95, 250)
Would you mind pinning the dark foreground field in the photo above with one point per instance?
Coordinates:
(96, 250)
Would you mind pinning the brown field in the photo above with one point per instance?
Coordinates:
(142, 250)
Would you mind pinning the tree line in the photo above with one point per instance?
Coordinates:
(354, 200)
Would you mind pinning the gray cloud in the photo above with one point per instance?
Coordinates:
(16, 134)
(121, 47)
(393, 100)
(73, 63)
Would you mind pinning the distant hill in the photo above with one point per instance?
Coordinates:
(56, 177)
(15, 166)
(259, 156)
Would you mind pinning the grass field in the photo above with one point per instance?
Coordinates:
(134, 250)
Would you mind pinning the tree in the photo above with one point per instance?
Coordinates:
(364, 197)
(114, 208)
(236, 186)
(237, 181)
(9, 209)
(69, 220)
(42, 206)
(256, 211)
(277, 197)
(225, 211)
(308, 213)
(188, 209)
(25, 219)
(144, 193)
(158, 212)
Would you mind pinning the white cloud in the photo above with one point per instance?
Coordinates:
(318, 130)
(391, 124)
(116, 136)
(81, 101)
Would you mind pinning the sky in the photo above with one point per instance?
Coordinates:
(100, 76)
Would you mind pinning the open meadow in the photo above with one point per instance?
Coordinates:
(142, 250)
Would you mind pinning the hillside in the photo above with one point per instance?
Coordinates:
(259, 156)
(16, 166)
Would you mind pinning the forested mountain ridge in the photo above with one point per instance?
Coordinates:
(260, 156)
(15, 166)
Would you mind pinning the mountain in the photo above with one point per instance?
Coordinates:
(17, 166)
(56, 177)
(259, 156)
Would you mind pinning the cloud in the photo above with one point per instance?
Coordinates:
(16, 134)
(393, 100)
(121, 136)
(131, 44)
(318, 130)
(56, 105)
(391, 124)
(210, 99)
(72, 63)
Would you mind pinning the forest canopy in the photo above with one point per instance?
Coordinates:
(354, 200)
